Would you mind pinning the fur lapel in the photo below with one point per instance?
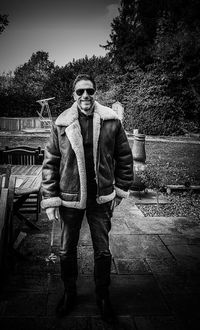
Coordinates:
(96, 134)
(73, 133)
(68, 116)
(69, 120)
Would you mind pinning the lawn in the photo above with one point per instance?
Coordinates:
(179, 162)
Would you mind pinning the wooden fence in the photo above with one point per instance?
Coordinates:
(21, 123)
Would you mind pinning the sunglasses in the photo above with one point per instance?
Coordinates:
(90, 91)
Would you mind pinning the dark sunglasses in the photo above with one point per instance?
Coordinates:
(90, 91)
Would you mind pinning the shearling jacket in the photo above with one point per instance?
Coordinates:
(64, 179)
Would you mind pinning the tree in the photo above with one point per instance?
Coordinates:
(3, 22)
(132, 33)
(32, 76)
(18, 98)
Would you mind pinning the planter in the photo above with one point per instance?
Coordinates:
(139, 158)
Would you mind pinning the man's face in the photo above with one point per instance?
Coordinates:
(84, 94)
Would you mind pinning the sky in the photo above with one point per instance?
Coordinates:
(66, 29)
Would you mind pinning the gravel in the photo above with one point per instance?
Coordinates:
(181, 204)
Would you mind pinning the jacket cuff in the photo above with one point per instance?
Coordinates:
(121, 193)
(50, 202)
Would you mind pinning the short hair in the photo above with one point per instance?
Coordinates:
(84, 76)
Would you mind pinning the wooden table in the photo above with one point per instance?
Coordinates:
(30, 170)
(28, 178)
(28, 181)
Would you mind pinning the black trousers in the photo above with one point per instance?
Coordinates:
(99, 220)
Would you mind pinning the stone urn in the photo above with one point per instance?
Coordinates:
(139, 158)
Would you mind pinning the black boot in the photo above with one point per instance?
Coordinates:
(106, 310)
(66, 304)
(102, 280)
(69, 299)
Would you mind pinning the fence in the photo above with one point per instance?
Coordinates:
(21, 123)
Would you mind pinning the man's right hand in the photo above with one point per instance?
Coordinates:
(53, 213)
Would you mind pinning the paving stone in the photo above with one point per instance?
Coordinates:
(167, 322)
(35, 265)
(151, 225)
(132, 266)
(142, 246)
(148, 197)
(119, 226)
(164, 225)
(143, 323)
(187, 226)
(192, 321)
(127, 207)
(137, 294)
(179, 239)
(27, 282)
(74, 323)
(36, 245)
(188, 256)
(45, 323)
(20, 323)
(192, 283)
(183, 303)
(181, 292)
(3, 304)
(176, 284)
(164, 265)
(122, 323)
(25, 304)
(173, 283)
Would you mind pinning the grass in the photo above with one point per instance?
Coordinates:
(178, 162)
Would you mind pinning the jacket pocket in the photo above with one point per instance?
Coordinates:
(69, 197)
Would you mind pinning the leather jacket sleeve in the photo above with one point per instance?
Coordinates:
(50, 172)
(123, 163)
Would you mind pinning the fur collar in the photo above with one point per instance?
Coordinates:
(67, 117)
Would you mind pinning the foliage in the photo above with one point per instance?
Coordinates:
(3, 22)
(128, 38)
(149, 106)
(32, 76)
(152, 179)
(161, 40)
(19, 93)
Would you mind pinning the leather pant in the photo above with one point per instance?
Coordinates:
(99, 220)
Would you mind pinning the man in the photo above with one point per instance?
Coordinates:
(87, 168)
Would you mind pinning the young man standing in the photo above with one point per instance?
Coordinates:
(88, 167)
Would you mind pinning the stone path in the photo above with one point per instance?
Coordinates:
(155, 276)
